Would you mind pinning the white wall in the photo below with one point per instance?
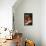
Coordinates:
(43, 22)
(6, 13)
(30, 32)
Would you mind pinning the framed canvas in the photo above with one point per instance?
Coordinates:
(28, 19)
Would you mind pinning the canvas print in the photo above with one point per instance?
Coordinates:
(28, 18)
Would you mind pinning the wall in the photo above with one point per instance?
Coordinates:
(43, 22)
(29, 32)
(6, 13)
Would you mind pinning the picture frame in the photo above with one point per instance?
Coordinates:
(28, 19)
